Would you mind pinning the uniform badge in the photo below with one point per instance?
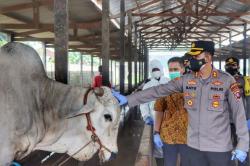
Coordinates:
(237, 95)
(215, 104)
(217, 83)
(234, 87)
(190, 102)
(231, 60)
(193, 94)
(186, 94)
(178, 78)
(216, 97)
(192, 82)
(235, 90)
(193, 45)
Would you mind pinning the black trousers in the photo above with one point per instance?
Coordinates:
(171, 152)
(202, 158)
(159, 161)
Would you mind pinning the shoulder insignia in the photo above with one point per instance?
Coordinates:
(215, 74)
(193, 45)
(235, 90)
(196, 74)
(234, 86)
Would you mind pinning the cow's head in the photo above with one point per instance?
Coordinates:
(104, 114)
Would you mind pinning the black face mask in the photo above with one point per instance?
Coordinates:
(195, 65)
(232, 71)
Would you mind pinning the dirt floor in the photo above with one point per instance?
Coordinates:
(128, 144)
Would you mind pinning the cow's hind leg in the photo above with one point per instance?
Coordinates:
(6, 155)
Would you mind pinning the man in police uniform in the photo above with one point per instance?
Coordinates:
(208, 95)
(232, 66)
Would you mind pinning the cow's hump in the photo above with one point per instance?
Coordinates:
(22, 58)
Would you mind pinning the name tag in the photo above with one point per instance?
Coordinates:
(217, 89)
(191, 87)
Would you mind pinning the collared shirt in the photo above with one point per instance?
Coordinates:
(207, 103)
(174, 124)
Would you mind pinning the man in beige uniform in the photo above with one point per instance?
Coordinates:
(208, 94)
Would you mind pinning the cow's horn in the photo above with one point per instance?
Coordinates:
(99, 92)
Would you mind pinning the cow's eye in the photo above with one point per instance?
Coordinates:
(108, 117)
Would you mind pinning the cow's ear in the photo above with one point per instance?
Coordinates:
(85, 109)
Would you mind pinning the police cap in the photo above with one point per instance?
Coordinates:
(232, 61)
(200, 46)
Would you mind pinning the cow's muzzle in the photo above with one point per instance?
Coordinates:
(113, 156)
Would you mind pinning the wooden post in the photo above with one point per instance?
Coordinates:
(111, 72)
(122, 43)
(92, 65)
(81, 69)
(230, 43)
(115, 73)
(12, 37)
(44, 56)
(145, 61)
(139, 57)
(61, 40)
(220, 54)
(36, 13)
(135, 55)
(105, 42)
(130, 52)
(100, 61)
(142, 61)
(244, 51)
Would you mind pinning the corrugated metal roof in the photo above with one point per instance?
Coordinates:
(171, 22)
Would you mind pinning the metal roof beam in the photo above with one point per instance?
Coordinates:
(237, 14)
(23, 6)
(85, 25)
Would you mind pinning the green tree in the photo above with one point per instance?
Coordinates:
(74, 58)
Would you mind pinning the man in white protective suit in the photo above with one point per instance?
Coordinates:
(147, 109)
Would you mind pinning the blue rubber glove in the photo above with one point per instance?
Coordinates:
(122, 99)
(149, 121)
(239, 155)
(15, 164)
(157, 141)
(248, 124)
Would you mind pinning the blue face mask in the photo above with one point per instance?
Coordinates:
(174, 74)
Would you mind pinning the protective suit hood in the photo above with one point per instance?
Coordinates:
(155, 64)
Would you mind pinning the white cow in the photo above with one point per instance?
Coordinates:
(35, 111)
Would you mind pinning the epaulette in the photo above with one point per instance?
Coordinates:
(224, 73)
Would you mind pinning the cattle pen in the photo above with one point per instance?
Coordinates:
(74, 37)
